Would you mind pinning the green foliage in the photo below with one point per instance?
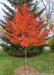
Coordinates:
(3, 53)
(51, 42)
(8, 8)
(2, 25)
(46, 51)
(12, 2)
(38, 14)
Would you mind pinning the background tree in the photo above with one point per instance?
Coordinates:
(25, 30)
(51, 43)
(49, 11)
(1, 30)
(7, 45)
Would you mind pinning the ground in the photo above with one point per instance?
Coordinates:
(21, 70)
(43, 63)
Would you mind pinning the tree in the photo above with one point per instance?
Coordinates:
(49, 5)
(1, 30)
(25, 30)
(11, 13)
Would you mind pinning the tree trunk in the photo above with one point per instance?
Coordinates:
(25, 59)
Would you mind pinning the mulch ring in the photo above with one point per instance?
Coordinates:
(21, 70)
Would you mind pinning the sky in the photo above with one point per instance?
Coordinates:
(2, 7)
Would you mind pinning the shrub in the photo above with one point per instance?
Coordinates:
(17, 50)
(21, 51)
(51, 42)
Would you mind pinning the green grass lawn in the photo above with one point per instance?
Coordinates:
(43, 63)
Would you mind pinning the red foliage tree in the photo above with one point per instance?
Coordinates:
(25, 30)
